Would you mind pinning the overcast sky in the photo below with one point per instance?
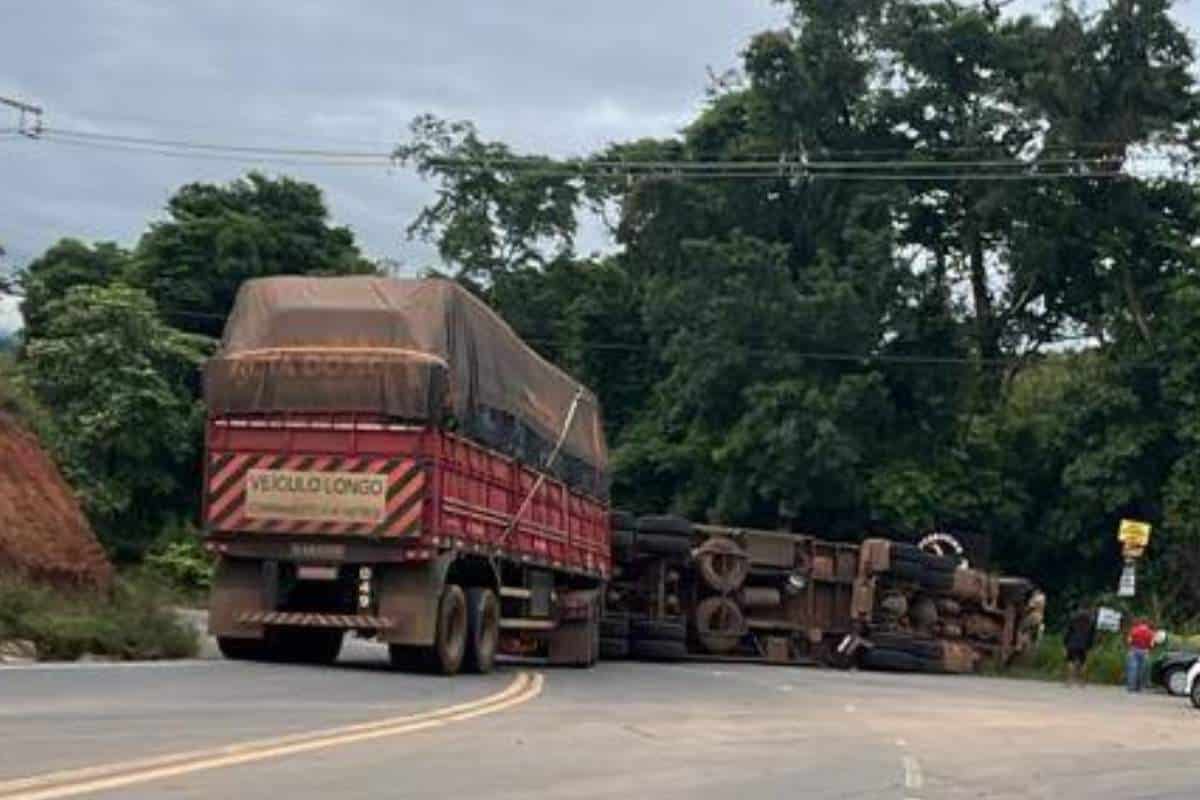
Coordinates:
(544, 75)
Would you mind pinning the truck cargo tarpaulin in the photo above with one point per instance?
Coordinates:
(422, 351)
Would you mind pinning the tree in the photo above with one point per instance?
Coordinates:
(217, 237)
(121, 385)
(495, 211)
(66, 264)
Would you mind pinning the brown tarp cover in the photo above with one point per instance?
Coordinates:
(416, 350)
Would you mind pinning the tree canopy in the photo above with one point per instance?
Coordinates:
(958, 302)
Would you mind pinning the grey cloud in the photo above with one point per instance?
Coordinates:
(563, 77)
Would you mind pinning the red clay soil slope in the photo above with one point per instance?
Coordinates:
(43, 533)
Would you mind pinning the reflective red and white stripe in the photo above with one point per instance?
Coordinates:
(227, 493)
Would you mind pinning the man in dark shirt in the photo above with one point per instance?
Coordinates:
(1081, 635)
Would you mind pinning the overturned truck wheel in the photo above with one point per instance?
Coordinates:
(720, 624)
(723, 564)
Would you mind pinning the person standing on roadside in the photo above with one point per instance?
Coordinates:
(1140, 640)
(1081, 635)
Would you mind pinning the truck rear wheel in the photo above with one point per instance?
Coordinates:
(450, 640)
(483, 629)
(242, 649)
(309, 645)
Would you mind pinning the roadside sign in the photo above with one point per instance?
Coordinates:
(1133, 533)
(1108, 619)
(1128, 584)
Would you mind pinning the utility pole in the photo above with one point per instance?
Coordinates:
(30, 122)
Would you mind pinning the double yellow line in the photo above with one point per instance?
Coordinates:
(71, 783)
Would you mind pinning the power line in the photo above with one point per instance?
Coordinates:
(908, 169)
(207, 156)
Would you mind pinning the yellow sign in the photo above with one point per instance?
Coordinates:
(1134, 534)
(316, 496)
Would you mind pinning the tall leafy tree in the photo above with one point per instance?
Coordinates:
(121, 385)
(66, 264)
(216, 237)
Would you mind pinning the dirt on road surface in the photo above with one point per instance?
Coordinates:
(43, 532)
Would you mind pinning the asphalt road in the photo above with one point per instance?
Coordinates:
(696, 730)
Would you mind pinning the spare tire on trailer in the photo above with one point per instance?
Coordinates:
(657, 650)
(667, 545)
(664, 524)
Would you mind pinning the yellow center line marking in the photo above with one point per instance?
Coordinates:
(71, 783)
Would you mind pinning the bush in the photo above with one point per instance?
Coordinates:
(179, 559)
(134, 621)
(1048, 661)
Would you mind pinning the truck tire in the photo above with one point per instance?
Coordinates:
(1194, 695)
(720, 624)
(620, 520)
(408, 658)
(614, 626)
(624, 543)
(723, 564)
(613, 649)
(659, 650)
(658, 630)
(243, 649)
(483, 630)
(882, 658)
(903, 643)
(664, 524)
(450, 638)
(937, 581)
(308, 645)
(907, 570)
(667, 545)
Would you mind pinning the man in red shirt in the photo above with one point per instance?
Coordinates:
(1140, 640)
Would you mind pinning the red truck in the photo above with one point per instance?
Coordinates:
(386, 457)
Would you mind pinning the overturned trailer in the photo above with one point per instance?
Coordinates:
(680, 589)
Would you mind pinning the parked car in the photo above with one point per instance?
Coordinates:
(1170, 671)
(1193, 684)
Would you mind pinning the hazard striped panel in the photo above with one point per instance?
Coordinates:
(314, 620)
(396, 512)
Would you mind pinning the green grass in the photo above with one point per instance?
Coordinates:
(133, 621)
(1048, 661)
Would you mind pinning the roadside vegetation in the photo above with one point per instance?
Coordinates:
(134, 620)
(884, 349)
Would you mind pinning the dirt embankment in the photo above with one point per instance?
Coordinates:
(43, 532)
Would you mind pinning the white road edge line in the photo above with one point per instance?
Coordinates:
(913, 779)
(523, 688)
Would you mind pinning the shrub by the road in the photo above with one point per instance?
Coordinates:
(180, 560)
(133, 621)
(1048, 661)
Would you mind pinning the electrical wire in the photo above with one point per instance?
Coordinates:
(908, 169)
